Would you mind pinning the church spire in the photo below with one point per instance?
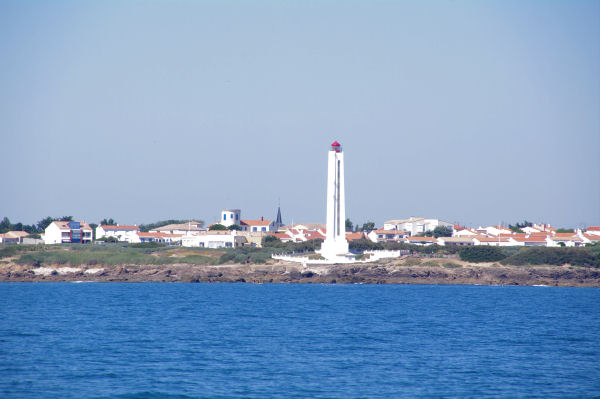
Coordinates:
(278, 221)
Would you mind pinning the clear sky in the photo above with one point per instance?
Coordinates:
(477, 112)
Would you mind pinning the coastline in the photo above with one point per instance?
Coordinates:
(392, 272)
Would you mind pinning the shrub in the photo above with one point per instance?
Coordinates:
(226, 257)
(451, 265)
(364, 245)
(412, 262)
(553, 256)
(148, 245)
(481, 253)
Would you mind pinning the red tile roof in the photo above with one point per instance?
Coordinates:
(312, 235)
(64, 225)
(255, 222)
(142, 234)
(281, 236)
(123, 227)
(355, 236)
(593, 228)
(592, 237)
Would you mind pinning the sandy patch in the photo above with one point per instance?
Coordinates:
(43, 271)
(66, 270)
(94, 271)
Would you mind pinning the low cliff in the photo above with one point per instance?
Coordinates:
(396, 272)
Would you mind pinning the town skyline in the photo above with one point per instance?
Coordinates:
(478, 114)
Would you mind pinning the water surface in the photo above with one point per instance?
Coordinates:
(159, 340)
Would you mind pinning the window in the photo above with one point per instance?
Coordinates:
(237, 216)
(254, 229)
(224, 216)
(264, 229)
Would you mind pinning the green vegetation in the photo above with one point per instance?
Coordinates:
(235, 227)
(349, 225)
(565, 231)
(366, 227)
(6, 225)
(481, 253)
(412, 262)
(586, 256)
(518, 226)
(110, 254)
(451, 265)
(217, 226)
(147, 253)
(368, 245)
(108, 222)
(439, 231)
(430, 263)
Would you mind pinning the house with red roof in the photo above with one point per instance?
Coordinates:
(157, 237)
(67, 231)
(386, 235)
(258, 225)
(565, 240)
(593, 230)
(120, 232)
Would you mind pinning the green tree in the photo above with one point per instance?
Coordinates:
(269, 240)
(108, 222)
(217, 226)
(518, 226)
(367, 227)
(442, 231)
(565, 231)
(481, 253)
(235, 227)
(5, 225)
(349, 225)
(93, 226)
(42, 224)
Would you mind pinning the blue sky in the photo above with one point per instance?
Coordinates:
(471, 112)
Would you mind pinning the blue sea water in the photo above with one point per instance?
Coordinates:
(98, 340)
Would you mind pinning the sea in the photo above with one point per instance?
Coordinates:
(178, 340)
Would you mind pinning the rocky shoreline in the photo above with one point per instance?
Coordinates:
(280, 272)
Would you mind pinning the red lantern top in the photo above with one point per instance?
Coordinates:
(335, 146)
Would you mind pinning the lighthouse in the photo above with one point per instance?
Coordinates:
(335, 244)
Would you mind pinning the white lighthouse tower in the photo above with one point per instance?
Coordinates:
(335, 244)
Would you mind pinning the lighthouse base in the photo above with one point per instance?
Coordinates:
(333, 249)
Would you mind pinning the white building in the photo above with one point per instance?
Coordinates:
(460, 241)
(121, 233)
(593, 230)
(165, 238)
(13, 237)
(230, 217)
(335, 244)
(414, 226)
(214, 239)
(61, 232)
(382, 235)
(492, 241)
(494, 230)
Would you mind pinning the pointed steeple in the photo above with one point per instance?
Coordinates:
(278, 221)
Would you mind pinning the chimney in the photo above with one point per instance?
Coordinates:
(262, 218)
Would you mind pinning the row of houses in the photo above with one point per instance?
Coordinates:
(535, 235)
(251, 233)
